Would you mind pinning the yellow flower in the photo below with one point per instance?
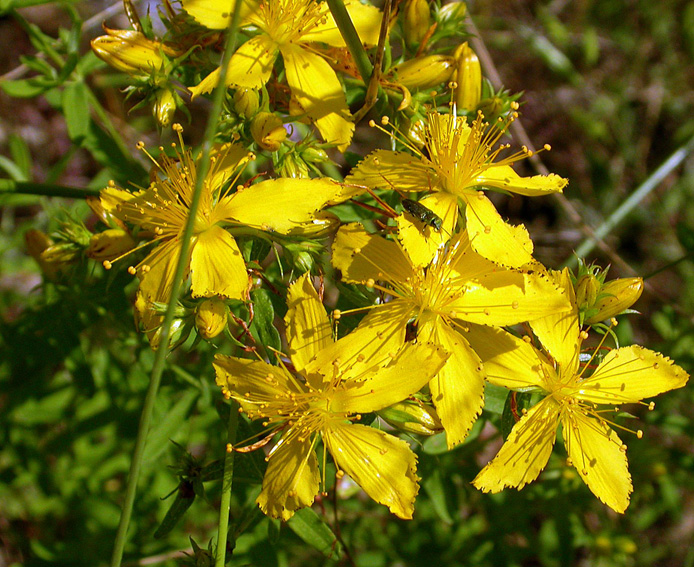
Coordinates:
(460, 158)
(444, 291)
(288, 27)
(330, 387)
(625, 375)
(215, 265)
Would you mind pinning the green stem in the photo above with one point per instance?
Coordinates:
(49, 189)
(225, 505)
(160, 358)
(634, 199)
(351, 37)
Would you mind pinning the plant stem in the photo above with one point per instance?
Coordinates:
(49, 189)
(351, 37)
(635, 198)
(225, 504)
(160, 359)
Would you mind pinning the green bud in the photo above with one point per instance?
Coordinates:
(315, 155)
(246, 102)
(164, 106)
(292, 165)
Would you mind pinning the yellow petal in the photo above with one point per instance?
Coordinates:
(493, 238)
(409, 371)
(217, 267)
(319, 92)
(281, 205)
(503, 177)
(361, 256)
(248, 381)
(157, 271)
(207, 85)
(526, 451)
(384, 169)
(595, 451)
(307, 325)
(368, 347)
(111, 197)
(384, 466)
(458, 389)
(508, 360)
(215, 14)
(422, 241)
(559, 332)
(508, 297)
(227, 160)
(366, 20)
(291, 480)
(631, 374)
(250, 67)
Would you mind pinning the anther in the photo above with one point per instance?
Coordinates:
(385, 120)
(229, 448)
(140, 145)
(337, 314)
(107, 265)
(639, 434)
(372, 124)
(132, 270)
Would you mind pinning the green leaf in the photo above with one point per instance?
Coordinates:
(494, 398)
(76, 108)
(262, 327)
(21, 156)
(25, 88)
(436, 444)
(311, 528)
(436, 490)
(168, 426)
(185, 496)
(515, 403)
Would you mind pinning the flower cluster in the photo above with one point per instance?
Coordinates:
(437, 284)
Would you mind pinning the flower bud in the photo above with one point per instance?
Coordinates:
(492, 106)
(424, 72)
(313, 154)
(268, 131)
(178, 333)
(412, 417)
(615, 296)
(468, 90)
(61, 253)
(417, 21)
(292, 165)
(109, 244)
(211, 317)
(36, 242)
(453, 12)
(587, 288)
(246, 102)
(164, 106)
(131, 52)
